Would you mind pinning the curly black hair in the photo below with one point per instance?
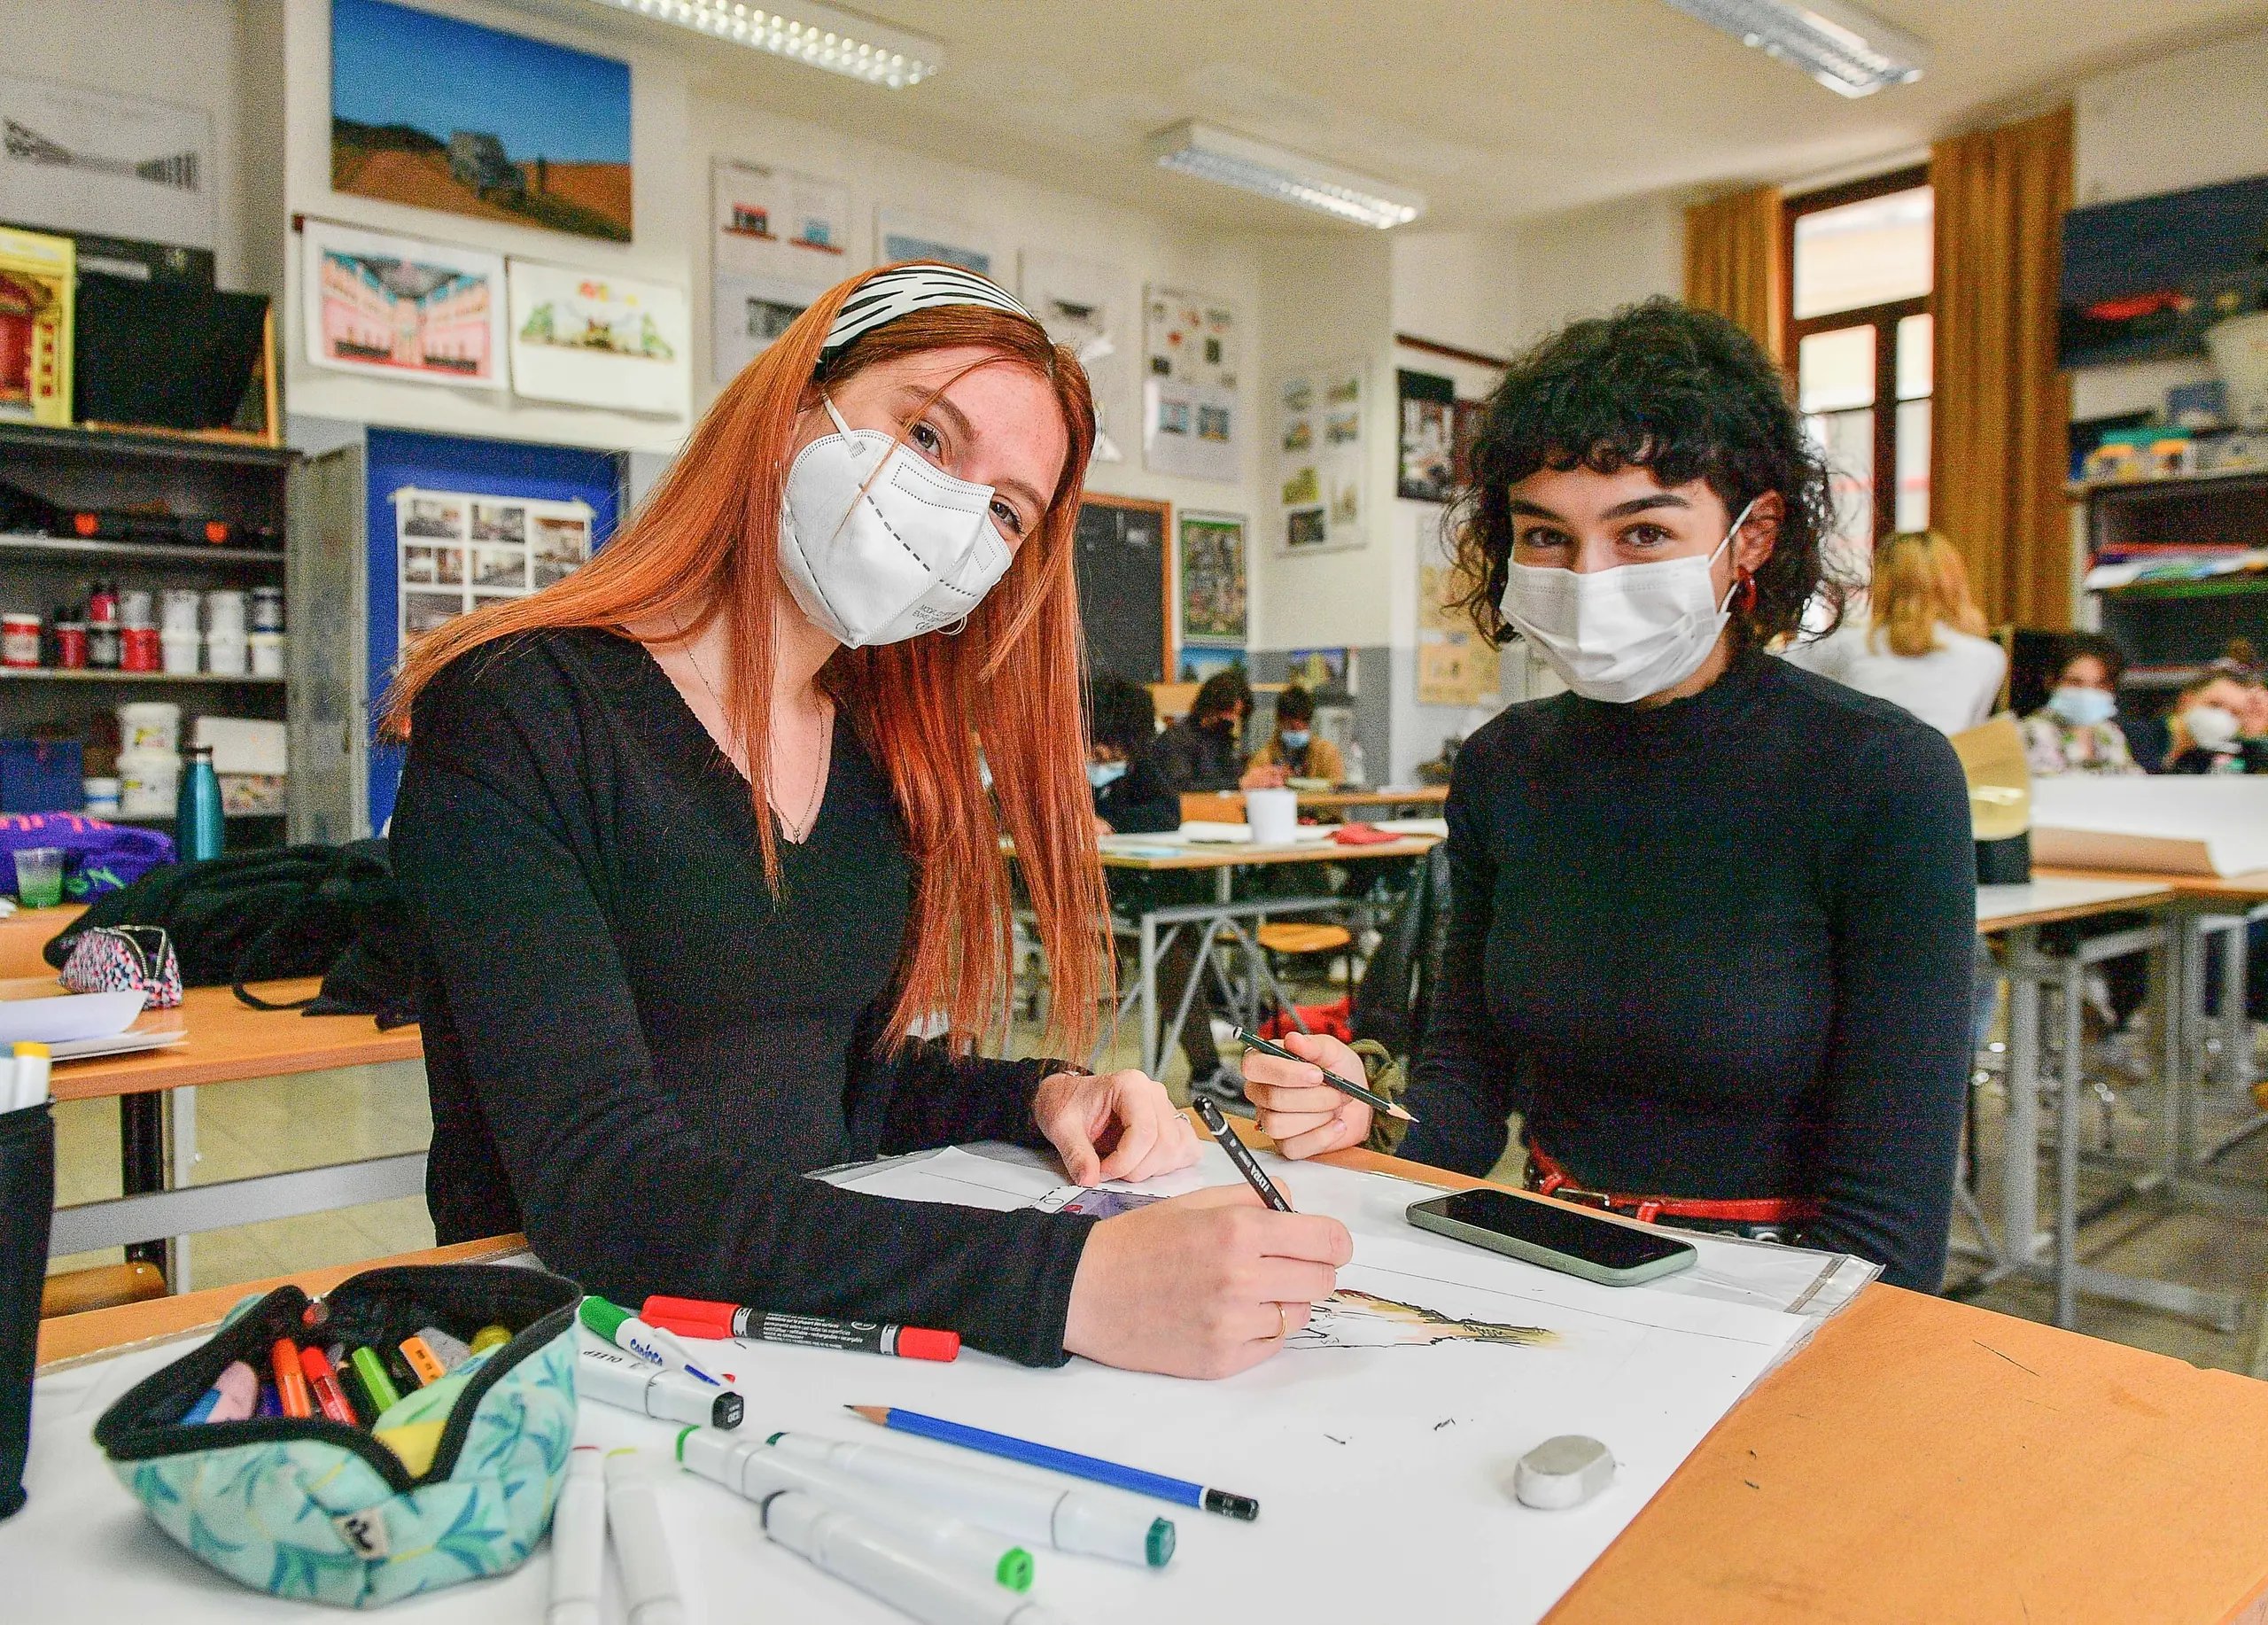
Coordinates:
(1682, 392)
(2075, 645)
(1120, 713)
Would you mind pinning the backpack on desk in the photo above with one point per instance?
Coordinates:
(295, 911)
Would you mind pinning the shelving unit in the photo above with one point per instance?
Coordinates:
(2174, 628)
(246, 486)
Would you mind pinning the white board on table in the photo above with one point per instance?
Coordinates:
(2170, 824)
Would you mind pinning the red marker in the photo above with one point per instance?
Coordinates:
(698, 1317)
(291, 1378)
(329, 1394)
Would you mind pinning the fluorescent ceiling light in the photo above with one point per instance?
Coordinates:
(1213, 154)
(816, 35)
(1850, 51)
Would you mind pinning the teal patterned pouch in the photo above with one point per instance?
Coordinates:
(315, 1509)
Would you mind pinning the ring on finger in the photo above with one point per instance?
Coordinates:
(1283, 1323)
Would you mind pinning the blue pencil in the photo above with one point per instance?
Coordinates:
(1175, 1489)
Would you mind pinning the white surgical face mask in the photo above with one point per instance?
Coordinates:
(2083, 707)
(879, 546)
(1102, 775)
(1623, 634)
(1296, 738)
(2214, 727)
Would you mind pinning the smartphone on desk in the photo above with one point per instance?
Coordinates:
(1557, 1235)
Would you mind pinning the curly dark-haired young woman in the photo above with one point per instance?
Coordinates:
(1712, 916)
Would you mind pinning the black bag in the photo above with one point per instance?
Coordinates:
(28, 1197)
(1395, 995)
(295, 911)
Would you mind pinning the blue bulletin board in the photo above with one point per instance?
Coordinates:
(501, 468)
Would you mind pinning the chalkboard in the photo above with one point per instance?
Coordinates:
(1122, 565)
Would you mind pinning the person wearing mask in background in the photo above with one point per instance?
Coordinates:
(694, 846)
(2074, 731)
(1712, 916)
(1922, 644)
(1131, 797)
(1200, 751)
(2205, 733)
(1294, 752)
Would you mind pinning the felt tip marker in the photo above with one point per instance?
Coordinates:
(323, 1383)
(628, 1384)
(452, 1352)
(753, 1469)
(1029, 1509)
(699, 1318)
(578, 1541)
(28, 1078)
(1217, 1127)
(840, 1542)
(623, 1329)
(383, 1396)
(641, 1548)
(423, 1361)
(1037, 1455)
(291, 1378)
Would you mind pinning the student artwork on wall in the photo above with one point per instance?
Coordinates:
(594, 339)
(1319, 438)
(900, 233)
(1191, 355)
(398, 308)
(92, 161)
(459, 550)
(1456, 664)
(1317, 670)
(1212, 559)
(1428, 403)
(1085, 307)
(777, 239)
(37, 285)
(443, 115)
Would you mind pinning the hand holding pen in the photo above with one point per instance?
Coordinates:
(1307, 1101)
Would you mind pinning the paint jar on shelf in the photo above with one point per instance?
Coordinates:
(266, 653)
(148, 781)
(180, 651)
(224, 653)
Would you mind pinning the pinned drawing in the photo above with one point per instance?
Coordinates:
(1352, 1319)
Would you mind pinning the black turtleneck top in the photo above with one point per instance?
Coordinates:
(1719, 948)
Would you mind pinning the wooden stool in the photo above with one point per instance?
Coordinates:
(1301, 937)
(106, 1286)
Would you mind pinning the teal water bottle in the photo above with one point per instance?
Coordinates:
(197, 829)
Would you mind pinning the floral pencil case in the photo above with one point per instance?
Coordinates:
(314, 1509)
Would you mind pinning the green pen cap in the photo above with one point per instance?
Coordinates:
(1160, 1544)
(604, 1318)
(372, 1371)
(1015, 1569)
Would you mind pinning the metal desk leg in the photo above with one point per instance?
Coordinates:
(142, 1161)
(1149, 975)
(180, 1151)
(2236, 1021)
(2020, 1131)
(2067, 1146)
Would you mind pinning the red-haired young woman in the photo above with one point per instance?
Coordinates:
(697, 843)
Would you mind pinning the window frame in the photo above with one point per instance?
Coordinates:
(1883, 318)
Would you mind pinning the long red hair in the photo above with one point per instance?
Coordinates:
(704, 544)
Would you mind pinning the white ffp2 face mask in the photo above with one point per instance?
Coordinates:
(882, 557)
(1623, 634)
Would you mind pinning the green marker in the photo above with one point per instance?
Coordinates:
(372, 1371)
(633, 1335)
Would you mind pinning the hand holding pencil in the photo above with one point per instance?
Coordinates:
(1305, 1115)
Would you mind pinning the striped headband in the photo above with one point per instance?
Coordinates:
(885, 297)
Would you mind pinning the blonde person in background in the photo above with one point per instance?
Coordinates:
(1922, 646)
(2075, 731)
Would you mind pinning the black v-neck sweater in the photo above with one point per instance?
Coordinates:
(1721, 947)
(636, 1053)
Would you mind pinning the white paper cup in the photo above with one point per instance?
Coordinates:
(1274, 816)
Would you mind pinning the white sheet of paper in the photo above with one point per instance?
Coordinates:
(2174, 824)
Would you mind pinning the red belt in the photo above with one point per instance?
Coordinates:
(1547, 1177)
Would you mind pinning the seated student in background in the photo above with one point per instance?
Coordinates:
(2074, 731)
(694, 842)
(1131, 797)
(2205, 733)
(1294, 752)
(1920, 644)
(1712, 916)
(1200, 752)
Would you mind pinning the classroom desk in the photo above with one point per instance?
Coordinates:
(1223, 915)
(24, 935)
(228, 1041)
(1340, 801)
(1920, 1459)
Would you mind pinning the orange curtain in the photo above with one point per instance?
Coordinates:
(1733, 264)
(1999, 434)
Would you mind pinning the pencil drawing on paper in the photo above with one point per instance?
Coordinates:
(1349, 1319)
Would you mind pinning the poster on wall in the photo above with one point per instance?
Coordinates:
(1321, 669)
(443, 115)
(97, 163)
(1319, 438)
(593, 339)
(1456, 664)
(1085, 307)
(1428, 403)
(459, 550)
(746, 314)
(37, 279)
(900, 233)
(398, 308)
(1212, 574)
(1191, 352)
(777, 240)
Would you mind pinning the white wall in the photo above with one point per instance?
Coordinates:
(1590, 261)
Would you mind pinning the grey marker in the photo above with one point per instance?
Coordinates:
(1564, 1472)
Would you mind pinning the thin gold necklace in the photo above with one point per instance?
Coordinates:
(795, 833)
